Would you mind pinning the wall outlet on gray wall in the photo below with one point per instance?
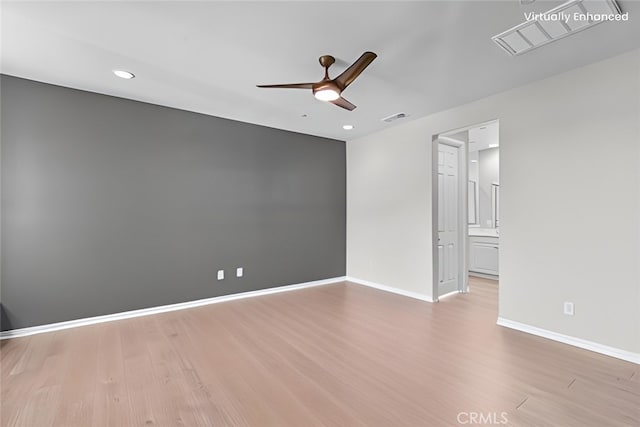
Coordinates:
(220, 274)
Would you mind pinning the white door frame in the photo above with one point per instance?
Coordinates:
(463, 177)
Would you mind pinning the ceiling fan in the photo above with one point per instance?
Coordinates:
(330, 90)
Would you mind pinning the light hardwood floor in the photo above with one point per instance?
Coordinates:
(336, 355)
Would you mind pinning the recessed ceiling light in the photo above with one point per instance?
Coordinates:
(474, 161)
(493, 145)
(347, 127)
(124, 74)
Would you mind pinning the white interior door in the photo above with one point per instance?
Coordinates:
(448, 219)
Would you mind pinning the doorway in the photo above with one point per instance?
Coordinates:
(465, 199)
(484, 177)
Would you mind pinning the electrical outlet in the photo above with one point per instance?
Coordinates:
(568, 308)
(220, 274)
(239, 272)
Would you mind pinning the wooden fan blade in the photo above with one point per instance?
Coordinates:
(289, 86)
(341, 102)
(354, 70)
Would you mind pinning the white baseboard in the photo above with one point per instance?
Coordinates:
(484, 275)
(576, 342)
(388, 289)
(23, 332)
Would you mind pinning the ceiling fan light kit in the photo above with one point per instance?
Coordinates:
(330, 90)
(326, 94)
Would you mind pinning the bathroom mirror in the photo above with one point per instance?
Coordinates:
(484, 178)
(495, 204)
(472, 204)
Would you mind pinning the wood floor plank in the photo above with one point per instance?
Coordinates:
(110, 404)
(334, 355)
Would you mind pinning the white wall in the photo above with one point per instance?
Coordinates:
(388, 209)
(570, 201)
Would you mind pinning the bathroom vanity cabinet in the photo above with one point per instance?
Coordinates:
(483, 255)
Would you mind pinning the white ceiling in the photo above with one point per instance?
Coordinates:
(208, 56)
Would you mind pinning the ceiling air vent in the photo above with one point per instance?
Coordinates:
(395, 117)
(562, 21)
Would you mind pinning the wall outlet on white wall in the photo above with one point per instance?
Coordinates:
(239, 272)
(568, 308)
(220, 274)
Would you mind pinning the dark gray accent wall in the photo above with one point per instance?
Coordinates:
(111, 205)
